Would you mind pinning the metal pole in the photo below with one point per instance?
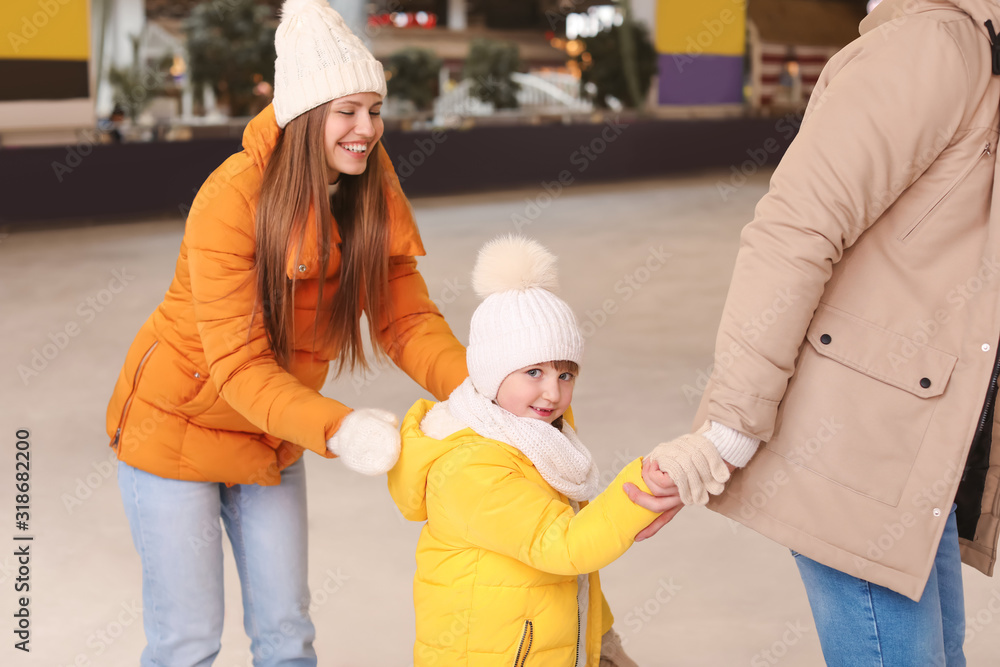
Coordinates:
(629, 64)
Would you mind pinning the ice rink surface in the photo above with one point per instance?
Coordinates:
(644, 264)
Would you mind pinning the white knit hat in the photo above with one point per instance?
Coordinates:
(319, 59)
(520, 321)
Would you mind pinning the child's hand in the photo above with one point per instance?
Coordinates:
(659, 482)
(666, 499)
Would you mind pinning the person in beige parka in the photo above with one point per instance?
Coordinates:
(855, 377)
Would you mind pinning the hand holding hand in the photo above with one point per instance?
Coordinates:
(665, 498)
(659, 482)
(694, 464)
(367, 441)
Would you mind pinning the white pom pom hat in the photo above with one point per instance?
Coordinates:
(318, 60)
(520, 321)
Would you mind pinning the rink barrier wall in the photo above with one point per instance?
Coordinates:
(103, 182)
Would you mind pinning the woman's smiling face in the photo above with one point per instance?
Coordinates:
(353, 127)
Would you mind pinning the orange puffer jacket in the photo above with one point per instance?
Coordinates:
(201, 397)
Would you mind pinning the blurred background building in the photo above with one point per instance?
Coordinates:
(166, 66)
(86, 74)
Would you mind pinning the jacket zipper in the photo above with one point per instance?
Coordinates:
(990, 396)
(986, 151)
(576, 661)
(526, 636)
(128, 401)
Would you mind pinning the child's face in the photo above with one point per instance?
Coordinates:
(539, 391)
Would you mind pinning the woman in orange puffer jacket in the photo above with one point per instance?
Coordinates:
(286, 245)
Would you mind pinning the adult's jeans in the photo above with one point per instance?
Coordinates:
(177, 531)
(861, 624)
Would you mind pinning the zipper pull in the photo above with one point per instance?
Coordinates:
(987, 149)
(114, 443)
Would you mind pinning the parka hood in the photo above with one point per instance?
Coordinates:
(408, 479)
(889, 10)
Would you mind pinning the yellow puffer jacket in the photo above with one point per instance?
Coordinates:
(498, 559)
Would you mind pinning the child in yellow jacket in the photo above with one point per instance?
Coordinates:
(516, 530)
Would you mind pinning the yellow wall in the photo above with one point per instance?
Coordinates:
(44, 29)
(701, 26)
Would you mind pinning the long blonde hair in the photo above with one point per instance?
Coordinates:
(295, 180)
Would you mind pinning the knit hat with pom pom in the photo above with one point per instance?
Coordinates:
(520, 321)
(318, 60)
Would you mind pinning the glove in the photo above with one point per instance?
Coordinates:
(612, 653)
(367, 441)
(694, 464)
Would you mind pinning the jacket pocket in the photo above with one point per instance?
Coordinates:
(131, 395)
(524, 646)
(926, 213)
(210, 410)
(205, 398)
(859, 404)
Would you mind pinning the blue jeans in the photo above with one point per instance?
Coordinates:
(177, 531)
(861, 624)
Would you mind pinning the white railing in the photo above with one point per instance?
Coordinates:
(548, 92)
(550, 89)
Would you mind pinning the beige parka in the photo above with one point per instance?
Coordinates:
(861, 330)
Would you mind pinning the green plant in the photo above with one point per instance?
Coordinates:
(231, 49)
(490, 65)
(135, 86)
(413, 75)
(601, 64)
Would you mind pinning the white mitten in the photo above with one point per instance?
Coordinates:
(694, 464)
(367, 441)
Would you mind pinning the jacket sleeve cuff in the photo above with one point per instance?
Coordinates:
(734, 447)
(621, 508)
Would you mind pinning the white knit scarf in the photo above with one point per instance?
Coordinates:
(563, 461)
